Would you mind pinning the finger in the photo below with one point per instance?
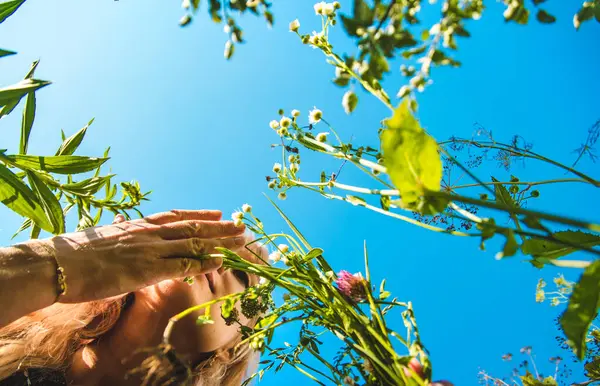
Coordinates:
(118, 219)
(199, 228)
(183, 215)
(194, 247)
(181, 267)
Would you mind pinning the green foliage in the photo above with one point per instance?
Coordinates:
(52, 190)
(18, 197)
(547, 249)
(8, 8)
(529, 380)
(582, 309)
(224, 12)
(412, 159)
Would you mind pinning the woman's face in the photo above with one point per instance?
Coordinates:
(171, 297)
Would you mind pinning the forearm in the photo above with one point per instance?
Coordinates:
(28, 280)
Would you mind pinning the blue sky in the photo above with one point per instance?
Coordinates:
(194, 129)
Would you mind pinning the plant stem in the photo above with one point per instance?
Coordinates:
(516, 210)
(533, 183)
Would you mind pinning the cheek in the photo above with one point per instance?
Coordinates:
(214, 336)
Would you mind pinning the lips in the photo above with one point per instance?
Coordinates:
(211, 282)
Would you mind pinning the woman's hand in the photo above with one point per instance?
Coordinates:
(128, 255)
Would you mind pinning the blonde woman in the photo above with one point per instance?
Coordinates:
(76, 309)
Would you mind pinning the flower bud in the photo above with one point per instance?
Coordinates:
(294, 25)
(276, 167)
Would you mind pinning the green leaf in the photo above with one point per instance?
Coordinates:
(552, 250)
(362, 18)
(411, 157)
(8, 8)
(315, 252)
(50, 204)
(545, 17)
(584, 14)
(582, 309)
(227, 307)
(502, 194)
(26, 224)
(529, 380)
(17, 91)
(18, 197)
(62, 164)
(28, 114)
(88, 186)
(35, 232)
(6, 53)
(71, 144)
(349, 102)
(510, 247)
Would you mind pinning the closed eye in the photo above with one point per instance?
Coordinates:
(242, 277)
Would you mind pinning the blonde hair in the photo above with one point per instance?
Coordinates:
(48, 338)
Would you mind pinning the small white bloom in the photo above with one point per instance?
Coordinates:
(283, 132)
(186, 4)
(314, 39)
(285, 260)
(295, 113)
(275, 256)
(294, 167)
(283, 248)
(314, 116)
(274, 124)
(476, 16)
(435, 29)
(282, 195)
(263, 281)
(294, 25)
(291, 158)
(322, 137)
(252, 3)
(337, 5)
(237, 222)
(227, 28)
(285, 122)
(272, 184)
(246, 208)
(237, 216)
(328, 9)
(276, 167)
(319, 7)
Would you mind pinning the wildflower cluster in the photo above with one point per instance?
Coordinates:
(318, 302)
(560, 295)
(528, 373)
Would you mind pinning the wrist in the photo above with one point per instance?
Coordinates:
(28, 279)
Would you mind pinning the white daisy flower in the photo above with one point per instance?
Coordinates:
(314, 116)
